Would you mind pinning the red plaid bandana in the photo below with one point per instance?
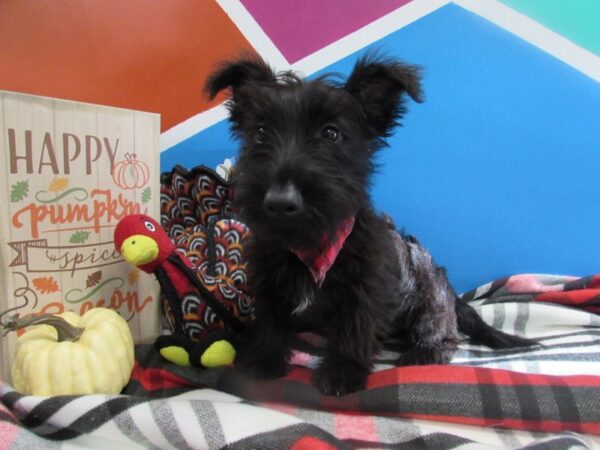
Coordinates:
(320, 258)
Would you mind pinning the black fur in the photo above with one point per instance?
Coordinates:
(312, 143)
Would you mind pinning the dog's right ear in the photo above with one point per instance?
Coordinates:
(380, 86)
(234, 74)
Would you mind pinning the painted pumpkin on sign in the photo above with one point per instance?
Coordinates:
(130, 173)
(69, 354)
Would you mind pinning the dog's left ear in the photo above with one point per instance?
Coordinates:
(380, 87)
(234, 74)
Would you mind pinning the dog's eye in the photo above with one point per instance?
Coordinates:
(331, 133)
(259, 135)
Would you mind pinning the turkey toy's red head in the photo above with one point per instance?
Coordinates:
(142, 242)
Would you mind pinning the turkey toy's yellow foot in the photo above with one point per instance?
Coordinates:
(219, 353)
(175, 349)
(176, 355)
(214, 350)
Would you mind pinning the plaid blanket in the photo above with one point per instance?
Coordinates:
(548, 397)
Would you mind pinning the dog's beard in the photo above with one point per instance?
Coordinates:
(300, 232)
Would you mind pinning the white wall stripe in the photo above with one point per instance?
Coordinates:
(253, 32)
(536, 34)
(192, 126)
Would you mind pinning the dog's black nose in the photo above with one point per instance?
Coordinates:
(283, 200)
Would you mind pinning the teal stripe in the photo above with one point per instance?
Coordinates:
(576, 20)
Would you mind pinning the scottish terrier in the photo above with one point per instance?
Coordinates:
(321, 258)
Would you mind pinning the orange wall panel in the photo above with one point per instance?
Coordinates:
(149, 55)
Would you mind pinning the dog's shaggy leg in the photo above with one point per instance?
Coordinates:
(265, 352)
(280, 285)
(432, 330)
(351, 345)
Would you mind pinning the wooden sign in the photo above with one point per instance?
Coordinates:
(69, 172)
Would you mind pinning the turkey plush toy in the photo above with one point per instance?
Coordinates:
(196, 256)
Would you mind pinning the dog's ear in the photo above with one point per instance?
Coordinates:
(380, 87)
(233, 74)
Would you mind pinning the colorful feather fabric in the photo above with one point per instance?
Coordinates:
(197, 215)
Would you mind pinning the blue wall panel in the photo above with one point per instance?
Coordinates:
(209, 147)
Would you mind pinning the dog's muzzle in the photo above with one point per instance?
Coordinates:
(283, 201)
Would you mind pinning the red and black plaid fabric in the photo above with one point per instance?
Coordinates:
(465, 391)
(545, 397)
(456, 394)
(583, 293)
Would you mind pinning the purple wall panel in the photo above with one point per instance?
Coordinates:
(299, 28)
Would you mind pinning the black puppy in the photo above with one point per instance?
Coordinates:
(321, 258)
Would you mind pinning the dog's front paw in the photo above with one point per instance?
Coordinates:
(262, 367)
(340, 379)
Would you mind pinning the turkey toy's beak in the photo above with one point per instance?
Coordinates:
(139, 250)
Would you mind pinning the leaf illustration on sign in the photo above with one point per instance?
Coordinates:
(79, 237)
(58, 184)
(19, 191)
(93, 279)
(45, 285)
(146, 195)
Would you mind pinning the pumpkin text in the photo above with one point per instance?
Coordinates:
(103, 210)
